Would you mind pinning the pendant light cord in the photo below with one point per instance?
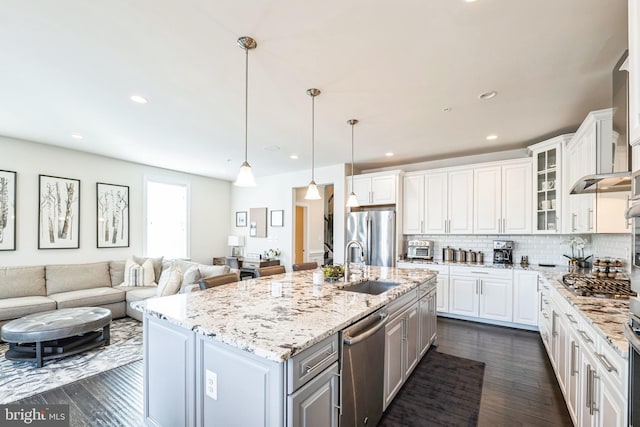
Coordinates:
(313, 142)
(246, 103)
(352, 156)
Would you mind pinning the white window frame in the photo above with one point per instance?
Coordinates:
(170, 181)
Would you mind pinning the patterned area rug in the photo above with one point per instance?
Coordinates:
(443, 390)
(22, 379)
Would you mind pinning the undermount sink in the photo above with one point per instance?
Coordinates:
(371, 287)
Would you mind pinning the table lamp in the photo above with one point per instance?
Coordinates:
(236, 243)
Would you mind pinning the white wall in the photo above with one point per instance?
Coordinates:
(210, 203)
(277, 192)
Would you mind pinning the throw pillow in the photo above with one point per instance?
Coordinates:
(138, 275)
(157, 264)
(213, 270)
(169, 282)
(191, 276)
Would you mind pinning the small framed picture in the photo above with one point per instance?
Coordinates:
(277, 218)
(7, 210)
(113, 215)
(241, 219)
(59, 213)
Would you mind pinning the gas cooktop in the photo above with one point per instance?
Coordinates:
(590, 285)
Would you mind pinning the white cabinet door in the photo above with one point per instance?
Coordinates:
(425, 325)
(496, 299)
(634, 71)
(487, 200)
(362, 189)
(413, 204)
(393, 359)
(525, 297)
(612, 406)
(460, 202)
(435, 203)
(572, 382)
(516, 199)
(463, 295)
(412, 339)
(442, 293)
(383, 190)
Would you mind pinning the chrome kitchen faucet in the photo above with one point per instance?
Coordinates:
(347, 261)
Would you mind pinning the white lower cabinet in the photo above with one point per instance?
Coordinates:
(428, 316)
(442, 282)
(525, 297)
(483, 293)
(591, 374)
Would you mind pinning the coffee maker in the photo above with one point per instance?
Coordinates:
(503, 251)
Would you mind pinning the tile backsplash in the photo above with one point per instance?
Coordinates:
(541, 249)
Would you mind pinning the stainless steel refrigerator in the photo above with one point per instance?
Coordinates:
(376, 230)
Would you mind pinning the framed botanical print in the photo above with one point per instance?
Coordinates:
(241, 219)
(112, 204)
(7, 210)
(59, 213)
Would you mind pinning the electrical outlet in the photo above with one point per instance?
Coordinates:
(211, 379)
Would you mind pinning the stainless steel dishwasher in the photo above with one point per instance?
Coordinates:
(363, 371)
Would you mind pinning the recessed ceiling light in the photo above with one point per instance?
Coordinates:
(76, 136)
(488, 95)
(389, 154)
(138, 99)
(469, 1)
(447, 109)
(492, 137)
(294, 156)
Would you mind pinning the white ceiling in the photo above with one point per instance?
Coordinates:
(70, 66)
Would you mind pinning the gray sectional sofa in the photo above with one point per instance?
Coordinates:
(33, 289)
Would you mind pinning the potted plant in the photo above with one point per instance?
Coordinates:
(577, 258)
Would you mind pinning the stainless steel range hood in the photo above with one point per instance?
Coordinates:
(613, 153)
(603, 183)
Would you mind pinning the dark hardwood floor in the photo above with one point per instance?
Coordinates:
(519, 386)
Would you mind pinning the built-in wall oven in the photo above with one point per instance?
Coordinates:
(632, 332)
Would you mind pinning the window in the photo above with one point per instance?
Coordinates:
(166, 218)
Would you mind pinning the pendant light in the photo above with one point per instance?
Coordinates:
(352, 201)
(312, 190)
(245, 177)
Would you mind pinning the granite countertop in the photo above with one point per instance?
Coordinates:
(276, 317)
(607, 316)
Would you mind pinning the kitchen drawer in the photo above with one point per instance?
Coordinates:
(588, 336)
(305, 365)
(427, 287)
(440, 268)
(612, 366)
(488, 272)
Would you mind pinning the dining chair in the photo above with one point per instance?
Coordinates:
(213, 281)
(304, 266)
(269, 271)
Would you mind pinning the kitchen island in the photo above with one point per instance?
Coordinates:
(248, 353)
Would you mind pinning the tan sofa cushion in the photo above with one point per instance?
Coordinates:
(72, 277)
(22, 282)
(116, 271)
(88, 297)
(12, 308)
(140, 293)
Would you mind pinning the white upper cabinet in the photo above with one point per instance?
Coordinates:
(438, 202)
(502, 198)
(375, 188)
(634, 72)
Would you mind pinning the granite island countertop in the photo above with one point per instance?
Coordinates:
(276, 317)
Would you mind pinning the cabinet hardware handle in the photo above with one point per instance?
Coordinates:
(553, 324)
(481, 286)
(589, 218)
(422, 226)
(504, 225)
(545, 302)
(320, 363)
(479, 272)
(571, 319)
(594, 402)
(587, 397)
(477, 286)
(607, 365)
(573, 359)
(585, 336)
(339, 406)
(573, 221)
(545, 315)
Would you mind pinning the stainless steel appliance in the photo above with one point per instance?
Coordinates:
(363, 371)
(376, 230)
(633, 213)
(503, 251)
(632, 332)
(420, 249)
(590, 285)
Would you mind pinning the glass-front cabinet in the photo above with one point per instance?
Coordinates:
(547, 181)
